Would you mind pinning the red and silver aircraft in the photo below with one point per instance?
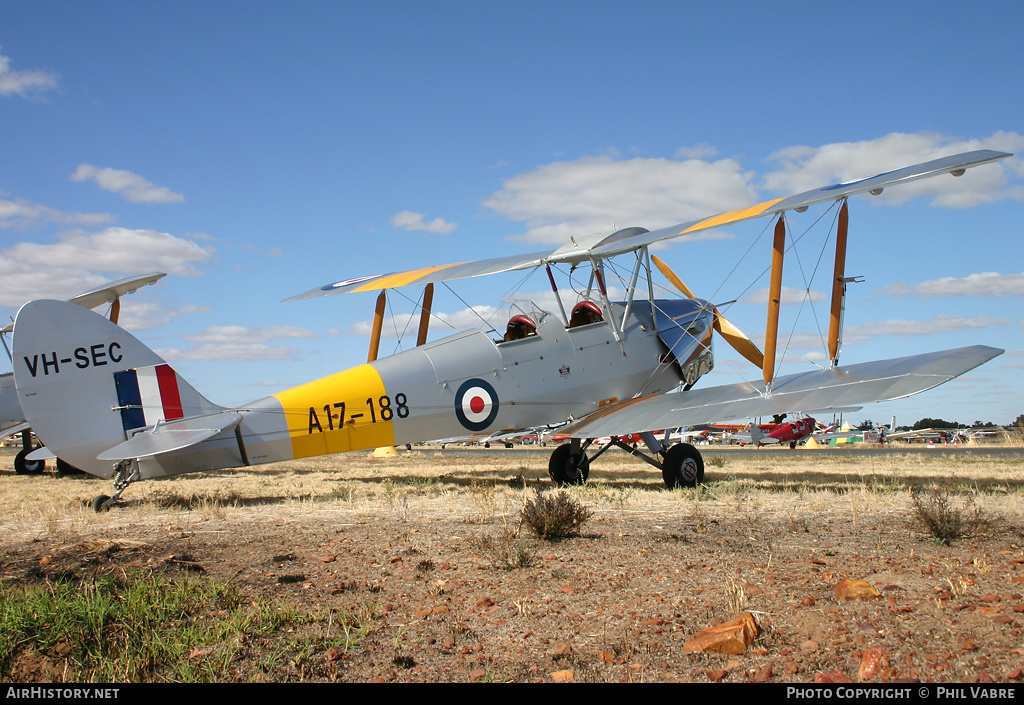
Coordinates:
(786, 432)
(104, 402)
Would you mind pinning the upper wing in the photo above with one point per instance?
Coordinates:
(629, 239)
(955, 164)
(864, 383)
(115, 289)
(427, 275)
(107, 293)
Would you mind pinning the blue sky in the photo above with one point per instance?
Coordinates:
(254, 150)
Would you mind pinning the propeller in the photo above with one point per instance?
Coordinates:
(732, 335)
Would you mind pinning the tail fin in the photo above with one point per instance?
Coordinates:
(85, 384)
(756, 434)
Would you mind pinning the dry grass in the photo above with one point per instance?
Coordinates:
(484, 488)
(435, 538)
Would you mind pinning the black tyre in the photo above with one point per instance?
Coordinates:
(66, 469)
(566, 468)
(27, 467)
(683, 466)
(97, 503)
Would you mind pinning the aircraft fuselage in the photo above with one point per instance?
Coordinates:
(467, 385)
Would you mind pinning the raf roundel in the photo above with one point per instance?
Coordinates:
(476, 404)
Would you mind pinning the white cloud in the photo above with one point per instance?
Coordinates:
(23, 82)
(79, 261)
(240, 344)
(407, 220)
(247, 336)
(987, 284)
(789, 296)
(943, 323)
(19, 214)
(231, 352)
(696, 152)
(127, 184)
(599, 194)
(594, 195)
(137, 315)
(803, 168)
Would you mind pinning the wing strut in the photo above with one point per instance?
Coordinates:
(428, 300)
(378, 326)
(774, 302)
(554, 288)
(838, 287)
(598, 271)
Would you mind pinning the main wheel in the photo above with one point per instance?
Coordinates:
(683, 466)
(66, 469)
(565, 468)
(97, 503)
(27, 467)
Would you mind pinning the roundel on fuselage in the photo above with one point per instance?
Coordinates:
(476, 404)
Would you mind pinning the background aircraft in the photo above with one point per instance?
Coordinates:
(788, 432)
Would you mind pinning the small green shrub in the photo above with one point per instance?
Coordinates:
(947, 518)
(554, 518)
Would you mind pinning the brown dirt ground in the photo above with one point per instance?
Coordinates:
(405, 548)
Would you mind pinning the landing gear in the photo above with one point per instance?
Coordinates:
(569, 465)
(125, 473)
(65, 469)
(27, 467)
(683, 466)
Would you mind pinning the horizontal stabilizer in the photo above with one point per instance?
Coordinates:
(174, 435)
(43, 453)
(866, 383)
(16, 428)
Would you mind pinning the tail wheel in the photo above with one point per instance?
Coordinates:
(27, 467)
(683, 466)
(567, 468)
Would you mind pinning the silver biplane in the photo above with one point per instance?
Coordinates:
(103, 401)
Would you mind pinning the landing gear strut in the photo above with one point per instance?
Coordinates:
(126, 472)
(681, 465)
(23, 466)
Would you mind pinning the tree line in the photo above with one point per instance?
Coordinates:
(927, 422)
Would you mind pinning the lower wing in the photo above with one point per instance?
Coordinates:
(865, 383)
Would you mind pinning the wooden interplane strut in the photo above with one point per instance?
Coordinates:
(774, 302)
(838, 287)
